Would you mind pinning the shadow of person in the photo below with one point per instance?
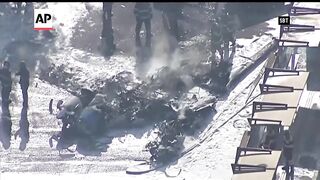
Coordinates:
(5, 128)
(23, 131)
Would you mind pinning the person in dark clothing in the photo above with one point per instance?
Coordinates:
(143, 13)
(24, 82)
(173, 12)
(216, 43)
(228, 31)
(6, 81)
(170, 15)
(288, 155)
(107, 31)
(107, 10)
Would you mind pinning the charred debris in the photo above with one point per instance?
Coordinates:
(162, 101)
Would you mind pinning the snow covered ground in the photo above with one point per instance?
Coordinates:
(211, 160)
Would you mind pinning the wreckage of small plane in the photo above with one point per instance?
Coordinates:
(89, 115)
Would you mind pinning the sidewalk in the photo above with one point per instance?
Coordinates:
(312, 37)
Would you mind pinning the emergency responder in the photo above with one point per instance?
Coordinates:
(6, 82)
(216, 42)
(288, 154)
(107, 31)
(170, 14)
(107, 10)
(228, 32)
(173, 11)
(24, 82)
(143, 13)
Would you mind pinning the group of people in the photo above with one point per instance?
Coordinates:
(170, 14)
(5, 122)
(143, 13)
(222, 27)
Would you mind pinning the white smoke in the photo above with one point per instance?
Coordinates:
(165, 53)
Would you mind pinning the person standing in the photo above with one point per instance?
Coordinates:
(228, 32)
(143, 13)
(170, 15)
(107, 31)
(216, 43)
(24, 82)
(288, 155)
(6, 82)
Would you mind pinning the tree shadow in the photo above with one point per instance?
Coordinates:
(312, 67)
(306, 138)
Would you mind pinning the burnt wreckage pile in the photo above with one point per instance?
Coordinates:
(171, 134)
(122, 102)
